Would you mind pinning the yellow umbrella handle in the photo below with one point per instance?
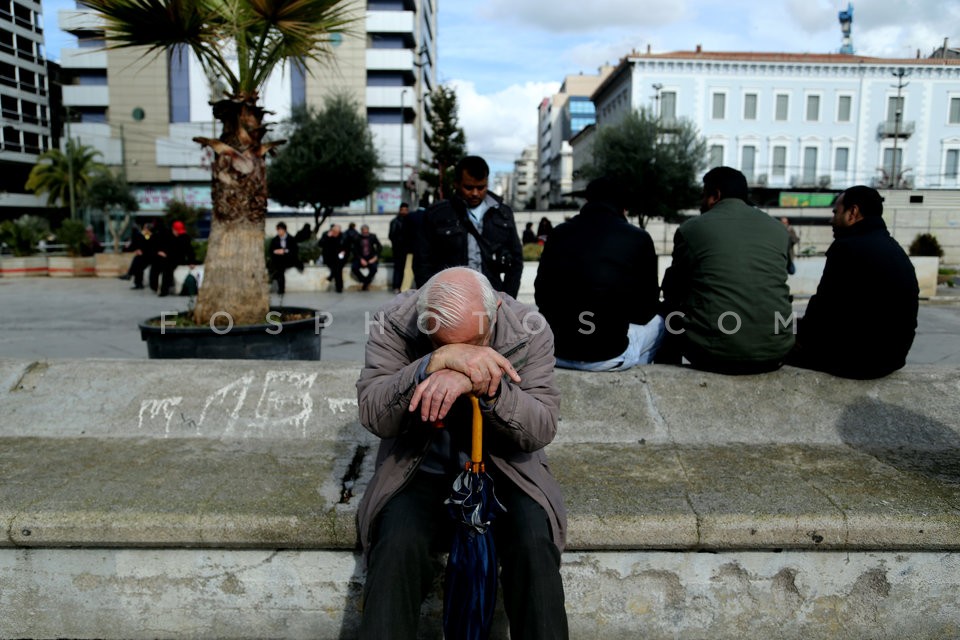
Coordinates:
(476, 451)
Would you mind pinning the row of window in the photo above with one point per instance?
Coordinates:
(843, 111)
(892, 161)
(22, 79)
(23, 141)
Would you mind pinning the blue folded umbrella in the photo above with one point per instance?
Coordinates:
(470, 584)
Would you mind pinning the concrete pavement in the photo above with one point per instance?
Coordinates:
(47, 318)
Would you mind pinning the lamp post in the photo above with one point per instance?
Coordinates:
(403, 96)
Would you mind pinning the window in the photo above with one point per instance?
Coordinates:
(954, 111)
(894, 108)
(892, 164)
(716, 155)
(841, 159)
(809, 165)
(383, 116)
(844, 106)
(783, 106)
(719, 106)
(298, 85)
(748, 161)
(750, 106)
(668, 106)
(952, 167)
(179, 69)
(813, 108)
(780, 161)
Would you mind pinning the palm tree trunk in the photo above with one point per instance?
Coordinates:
(235, 286)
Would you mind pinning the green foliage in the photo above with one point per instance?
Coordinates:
(199, 250)
(926, 244)
(447, 142)
(51, 175)
(329, 159)
(386, 254)
(532, 252)
(73, 235)
(22, 235)
(658, 167)
(111, 194)
(309, 251)
(240, 41)
(185, 213)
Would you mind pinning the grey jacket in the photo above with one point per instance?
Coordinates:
(517, 427)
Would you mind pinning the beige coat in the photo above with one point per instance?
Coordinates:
(516, 429)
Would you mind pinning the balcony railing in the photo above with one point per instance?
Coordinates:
(889, 129)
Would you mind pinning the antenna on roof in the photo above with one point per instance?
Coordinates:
(846, 26)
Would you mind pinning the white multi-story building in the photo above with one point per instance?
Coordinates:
(524, 178)
(561, 117)
(142, 111)
(803, 120)
(24, 100)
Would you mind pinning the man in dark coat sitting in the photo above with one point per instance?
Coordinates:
(598, 286)
(862, 320)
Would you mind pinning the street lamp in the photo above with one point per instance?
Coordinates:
(403, 96)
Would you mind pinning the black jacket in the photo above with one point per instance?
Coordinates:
(862, 320)
(281, 262)
(442, 243)
(597, 274)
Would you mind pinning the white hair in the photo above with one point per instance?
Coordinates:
(445, 300)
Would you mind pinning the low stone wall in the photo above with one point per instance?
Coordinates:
(210, 499)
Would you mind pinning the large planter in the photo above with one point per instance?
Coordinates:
(70, 267)
(23, 267)
(111, 265)
(291, 340)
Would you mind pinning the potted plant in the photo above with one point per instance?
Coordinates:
(240, 43)
(20, 237)
(79, 260)
(111, 194)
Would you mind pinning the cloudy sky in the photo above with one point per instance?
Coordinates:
(505, 56)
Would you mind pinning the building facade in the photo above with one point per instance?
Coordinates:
(803, 120)
(524, 179)
(142, 112)
(560, 117)
(25, 103)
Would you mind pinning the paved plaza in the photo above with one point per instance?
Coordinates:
(52, 318)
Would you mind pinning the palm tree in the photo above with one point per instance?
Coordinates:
(258, 35)
(54, 169)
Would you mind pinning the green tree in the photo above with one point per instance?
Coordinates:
(658, 167)
(22, 235)
(329, 159)
(447, 141)
(112, 195)
(51, 175)
(242, 42)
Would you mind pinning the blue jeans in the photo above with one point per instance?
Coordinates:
(642, 345)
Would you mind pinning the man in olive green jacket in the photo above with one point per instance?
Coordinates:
(726, 302)
(426, 351)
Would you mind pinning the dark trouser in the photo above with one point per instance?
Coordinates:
(414, 525)
(137, 266)
(336, 274)
(399, 265)
(675, 347)
(280, 275)
(365, 280)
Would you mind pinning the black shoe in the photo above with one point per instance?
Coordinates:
(125, 276)
(137, 286)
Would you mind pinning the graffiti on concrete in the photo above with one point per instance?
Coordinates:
(244, 407)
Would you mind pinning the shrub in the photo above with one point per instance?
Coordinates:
(531, 252)
(926, 244)
(22, 235)
(73, 235)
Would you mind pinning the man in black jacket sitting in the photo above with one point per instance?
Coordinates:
(863, 318)
(598, 286)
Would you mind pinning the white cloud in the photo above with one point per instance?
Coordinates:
(499, 125)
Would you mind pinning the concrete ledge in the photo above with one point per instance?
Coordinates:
(215, 499)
